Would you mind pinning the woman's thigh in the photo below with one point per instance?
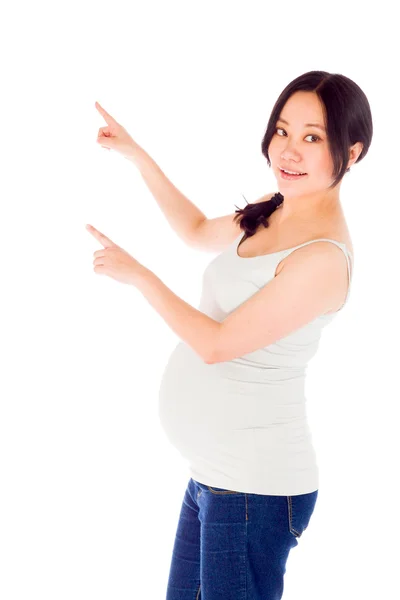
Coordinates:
(232, 545)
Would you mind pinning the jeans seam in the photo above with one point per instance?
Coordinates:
(291, 528)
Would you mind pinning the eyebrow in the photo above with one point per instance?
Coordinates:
(306, 124)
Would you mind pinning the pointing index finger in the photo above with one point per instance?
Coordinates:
(106, 116)
(100, 237)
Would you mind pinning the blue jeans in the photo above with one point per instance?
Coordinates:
(234, 546)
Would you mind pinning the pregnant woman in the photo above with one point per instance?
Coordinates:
(232, 395)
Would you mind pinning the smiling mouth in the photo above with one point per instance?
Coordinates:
(291, 173)
(290, 176)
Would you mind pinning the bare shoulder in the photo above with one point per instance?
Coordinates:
(332, 256)
(319, 248)
(334, 228)
(215, 235)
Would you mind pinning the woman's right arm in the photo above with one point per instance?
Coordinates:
(182, 215)
(188, 222)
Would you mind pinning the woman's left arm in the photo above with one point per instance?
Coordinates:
(195, 328)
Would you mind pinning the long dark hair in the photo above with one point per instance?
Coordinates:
(348, 120)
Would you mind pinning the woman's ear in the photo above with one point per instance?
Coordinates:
(355, 152)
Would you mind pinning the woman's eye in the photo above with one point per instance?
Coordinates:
(310, 135)
(313, 136)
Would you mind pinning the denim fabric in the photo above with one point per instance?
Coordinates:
(232, 545)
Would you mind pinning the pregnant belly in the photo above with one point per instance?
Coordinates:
(184, 395)
(199, 400)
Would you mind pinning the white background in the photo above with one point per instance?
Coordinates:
(90, 488)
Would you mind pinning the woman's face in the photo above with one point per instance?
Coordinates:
(298, 147)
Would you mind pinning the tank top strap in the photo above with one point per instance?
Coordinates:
(347, 254)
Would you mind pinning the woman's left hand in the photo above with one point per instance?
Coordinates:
(115, 262)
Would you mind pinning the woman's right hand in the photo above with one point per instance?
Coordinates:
(115, 137)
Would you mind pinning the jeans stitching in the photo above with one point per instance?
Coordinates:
(291, 528)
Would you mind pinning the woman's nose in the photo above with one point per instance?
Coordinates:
(290, 154)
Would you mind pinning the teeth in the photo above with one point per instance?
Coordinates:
(292, 172)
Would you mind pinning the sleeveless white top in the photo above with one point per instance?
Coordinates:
(242, 424)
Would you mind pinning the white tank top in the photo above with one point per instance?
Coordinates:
(242, 424)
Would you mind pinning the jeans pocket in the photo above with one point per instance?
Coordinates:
(216, 490)
(300, 510)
